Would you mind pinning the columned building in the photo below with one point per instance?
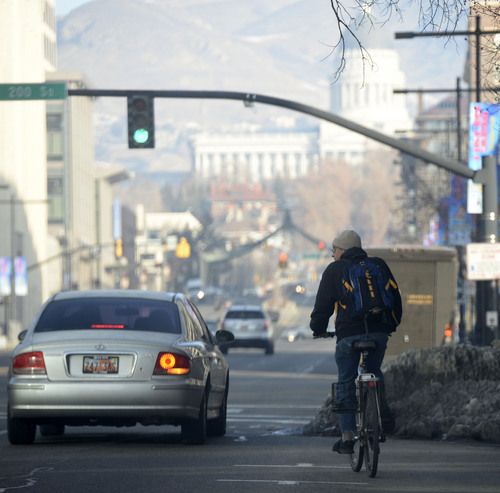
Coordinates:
(255, 157)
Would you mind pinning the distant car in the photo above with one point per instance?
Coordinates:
(251, 326)
(297, 333)
(118, 358)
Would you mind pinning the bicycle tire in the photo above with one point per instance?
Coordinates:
(372, 429)
(356, 459)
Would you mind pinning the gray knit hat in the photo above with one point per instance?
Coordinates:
(347, 239)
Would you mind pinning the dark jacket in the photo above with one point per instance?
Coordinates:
(330, 293)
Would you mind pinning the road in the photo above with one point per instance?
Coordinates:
(270, 398)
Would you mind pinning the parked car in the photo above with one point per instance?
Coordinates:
(118, 358)
(251, 326)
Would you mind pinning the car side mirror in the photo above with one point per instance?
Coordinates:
(223, 337)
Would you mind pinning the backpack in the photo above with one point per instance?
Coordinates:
(367, 293)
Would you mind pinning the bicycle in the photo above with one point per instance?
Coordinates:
(369, 432)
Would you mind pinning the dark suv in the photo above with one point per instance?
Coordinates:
(251, 326)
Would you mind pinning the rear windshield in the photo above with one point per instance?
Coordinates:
(244, 314)
(110, 314)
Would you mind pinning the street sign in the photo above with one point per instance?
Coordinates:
(25, 92)
(483, 261)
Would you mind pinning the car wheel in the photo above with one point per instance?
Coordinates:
(194, 431)
(20, 431)
(217, 426)
(54, 430)
(270, 348)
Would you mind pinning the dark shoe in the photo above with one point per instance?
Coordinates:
(346, 447)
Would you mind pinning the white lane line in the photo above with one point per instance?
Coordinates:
(293, 466)
(289, 482)
(302, 465)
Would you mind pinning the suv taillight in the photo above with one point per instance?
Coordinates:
(172, 364)
(29, 364)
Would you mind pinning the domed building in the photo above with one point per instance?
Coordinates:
(364, 94)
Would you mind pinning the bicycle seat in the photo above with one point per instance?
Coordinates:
(365, 345)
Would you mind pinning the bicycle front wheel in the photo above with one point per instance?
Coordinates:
(356, 459)
(372, 429)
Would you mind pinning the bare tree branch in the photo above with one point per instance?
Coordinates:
(433, 15)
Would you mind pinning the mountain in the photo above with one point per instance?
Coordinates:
(281, 48)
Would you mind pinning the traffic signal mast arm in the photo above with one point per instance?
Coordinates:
(249, 99)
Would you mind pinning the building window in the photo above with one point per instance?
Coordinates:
(55, 192)
(54, 137)
(154, 234)
(54, 122)
(50, 51)
(54, 146)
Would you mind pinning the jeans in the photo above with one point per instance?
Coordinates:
(347, 360)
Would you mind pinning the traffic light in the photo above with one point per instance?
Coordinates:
(141, 121)
(183, 249)
(119, 248)
(283, 261)
(321, 245)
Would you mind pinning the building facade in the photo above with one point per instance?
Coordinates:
(71, 181)
(484, 64)
(28, 40)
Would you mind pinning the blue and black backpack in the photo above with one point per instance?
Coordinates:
(368, 292)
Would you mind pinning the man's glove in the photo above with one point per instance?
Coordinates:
(322, 335)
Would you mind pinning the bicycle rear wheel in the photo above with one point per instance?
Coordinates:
(372, 429)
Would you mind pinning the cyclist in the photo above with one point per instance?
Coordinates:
(346, 248)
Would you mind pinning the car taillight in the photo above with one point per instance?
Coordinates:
(172, 364)
(29, 364)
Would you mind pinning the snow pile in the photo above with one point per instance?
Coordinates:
(444, 392)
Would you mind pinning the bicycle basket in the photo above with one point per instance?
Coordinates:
(343, 404)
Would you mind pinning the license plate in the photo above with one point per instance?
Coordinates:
(100, 364)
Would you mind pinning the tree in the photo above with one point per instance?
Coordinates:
(342, 196)
(433, 15)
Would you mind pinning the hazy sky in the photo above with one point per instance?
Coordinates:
(64, 6)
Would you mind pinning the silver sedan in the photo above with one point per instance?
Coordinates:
(118, 358)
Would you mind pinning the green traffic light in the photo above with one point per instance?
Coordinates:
(141, 135)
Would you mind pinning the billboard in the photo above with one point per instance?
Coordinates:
(484, 124)
(21, 276)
